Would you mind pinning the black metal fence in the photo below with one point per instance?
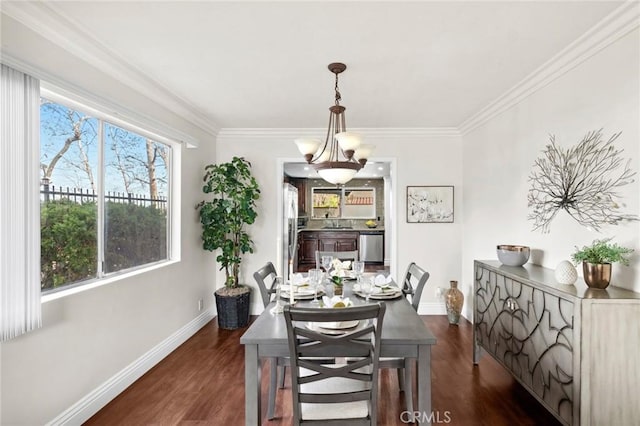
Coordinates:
(79, 195)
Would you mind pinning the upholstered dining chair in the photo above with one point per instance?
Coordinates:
(342, 255)
(265, 277)
(340, 394)
(412, 286)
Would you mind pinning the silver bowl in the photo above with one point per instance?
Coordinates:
(513, 255)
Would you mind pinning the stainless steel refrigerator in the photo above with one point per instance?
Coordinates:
(290, 237)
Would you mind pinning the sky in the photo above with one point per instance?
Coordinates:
(125, 153)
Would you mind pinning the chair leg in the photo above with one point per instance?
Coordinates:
(282, 370)
(273, 375)
(400, 374)
(408, 384)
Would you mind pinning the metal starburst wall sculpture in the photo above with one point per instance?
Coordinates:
(582, 181)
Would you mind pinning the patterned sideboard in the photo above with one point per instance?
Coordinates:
(571, 347)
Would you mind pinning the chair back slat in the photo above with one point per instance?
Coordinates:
(414, 282)
(342, 255)
(310, 348)
(265, 277)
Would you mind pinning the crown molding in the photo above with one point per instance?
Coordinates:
(45, 19)
(614, 26)
(113, 110)
(293, 133)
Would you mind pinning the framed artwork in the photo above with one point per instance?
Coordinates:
(430, 204)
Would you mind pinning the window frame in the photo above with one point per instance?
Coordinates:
(341, 192)
(119, 119)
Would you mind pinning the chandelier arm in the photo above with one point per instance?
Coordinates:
(326, 141)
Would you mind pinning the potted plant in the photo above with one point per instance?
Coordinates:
(597, 259)
(223, 220)
(338, 273)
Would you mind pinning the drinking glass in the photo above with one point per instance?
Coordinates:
(278, 308)
(358, 269)
(367, 288)
(315, 277)
(326, 263)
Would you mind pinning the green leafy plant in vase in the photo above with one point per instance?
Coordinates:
(337, 285)
(338, 273)
(597, 259)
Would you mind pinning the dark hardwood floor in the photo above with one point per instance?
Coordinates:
(202, 383)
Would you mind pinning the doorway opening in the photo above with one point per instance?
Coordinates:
(341, 218)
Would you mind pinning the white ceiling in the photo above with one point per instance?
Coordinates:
(424, 64)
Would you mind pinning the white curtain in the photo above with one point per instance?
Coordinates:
(20, 309)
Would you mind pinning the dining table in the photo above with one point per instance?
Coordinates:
(404, 335)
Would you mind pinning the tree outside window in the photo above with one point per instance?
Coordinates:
(126, 198)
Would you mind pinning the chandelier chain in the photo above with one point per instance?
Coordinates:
(338, 96)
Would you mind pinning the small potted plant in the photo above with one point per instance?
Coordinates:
(223, 220)
(597, 259)
(338, 273)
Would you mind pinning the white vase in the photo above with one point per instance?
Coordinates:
(566, 273)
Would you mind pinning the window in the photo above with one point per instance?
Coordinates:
(104, 197)
(345, 203)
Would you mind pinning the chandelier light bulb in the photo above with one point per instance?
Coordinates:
(348, 142)
(308, 147)
(363, 153)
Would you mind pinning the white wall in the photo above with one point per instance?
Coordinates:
(426, 160)
(89, 337)
(601, 92)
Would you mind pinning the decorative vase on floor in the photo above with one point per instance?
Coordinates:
(454, 299)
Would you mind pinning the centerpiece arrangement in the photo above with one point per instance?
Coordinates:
(338, 273)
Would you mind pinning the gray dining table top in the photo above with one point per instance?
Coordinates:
(401, 325)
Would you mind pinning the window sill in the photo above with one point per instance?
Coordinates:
(104, 281)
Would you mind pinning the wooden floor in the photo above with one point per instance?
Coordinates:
(202, 383)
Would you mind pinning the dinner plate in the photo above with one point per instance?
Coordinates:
(315, 326)
(340, 325)
(303, 287)
(387, 295)
(302, 295)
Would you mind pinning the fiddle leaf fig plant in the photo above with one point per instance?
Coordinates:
(225, 217)
(602, 251)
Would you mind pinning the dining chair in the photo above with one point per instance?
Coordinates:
(265, 277)
(340, 394)
(412, 287)
(342, 255)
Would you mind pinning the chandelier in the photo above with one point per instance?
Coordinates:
(343, 154)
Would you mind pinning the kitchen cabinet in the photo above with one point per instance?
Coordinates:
(569, 346)
(311, 241)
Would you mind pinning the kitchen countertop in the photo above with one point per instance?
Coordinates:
(354, 229)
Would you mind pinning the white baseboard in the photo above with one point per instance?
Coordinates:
(432, 308)
(436, 308)
(90, 404)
